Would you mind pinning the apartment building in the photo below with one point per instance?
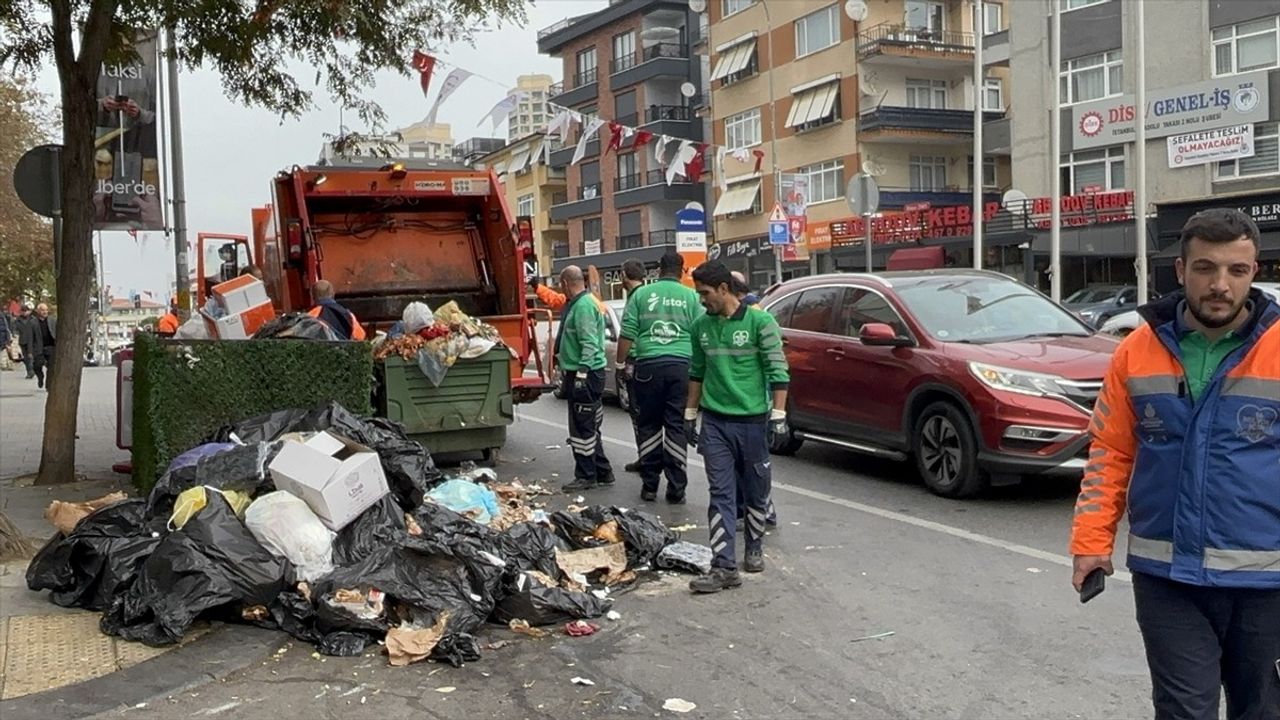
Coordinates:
(632, 63)
(530, 114)
(531, 188)
(1212, 66)
(430, 141)
(822, 97)
(417, 141)
(469, 151)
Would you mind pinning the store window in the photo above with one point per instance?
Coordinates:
(1092, 77)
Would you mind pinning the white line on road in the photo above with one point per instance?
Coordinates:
(1013, 547)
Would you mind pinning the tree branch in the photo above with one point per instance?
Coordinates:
(97, 37)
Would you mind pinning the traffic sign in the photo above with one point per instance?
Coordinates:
(779, 234)
(35, 178)
(778, 214)
(863, 195)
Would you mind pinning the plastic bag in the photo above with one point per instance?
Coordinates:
(434, 365)
(192, 329)
(99, 560)
(644, 534)
(416, 316)
(295, 326)
(212, 562)
(476, 347)
(192, 456)
(287, 527)
(469, 499)
(381, 525)
(529, 599)
(528, 546)
(193, 500)
(686, 556)
(241, 468)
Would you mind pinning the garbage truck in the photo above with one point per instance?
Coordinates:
(386, 233)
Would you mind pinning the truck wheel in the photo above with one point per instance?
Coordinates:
(946, 452)
(490, 456)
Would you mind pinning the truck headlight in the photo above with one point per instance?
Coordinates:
(1019, 381)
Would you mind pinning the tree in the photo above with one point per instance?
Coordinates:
(26, 242)
(255, 46)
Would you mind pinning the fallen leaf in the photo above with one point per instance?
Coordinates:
(678, 705)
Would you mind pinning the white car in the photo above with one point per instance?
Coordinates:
(1127, 322)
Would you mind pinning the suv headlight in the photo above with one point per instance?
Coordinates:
(1019, 381)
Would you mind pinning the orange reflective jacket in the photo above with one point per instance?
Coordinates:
(357, 332)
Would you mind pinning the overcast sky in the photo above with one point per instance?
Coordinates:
(231, 152)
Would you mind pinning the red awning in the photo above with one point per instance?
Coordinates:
(918, 258)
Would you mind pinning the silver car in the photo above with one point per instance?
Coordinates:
(1127, 322)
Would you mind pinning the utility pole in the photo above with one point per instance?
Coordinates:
(773, 135)
(177, 191)
(979, 90)
(1140, 155)
(1055, 159)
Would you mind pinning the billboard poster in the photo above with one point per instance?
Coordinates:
(1211, 146)
(126, 162)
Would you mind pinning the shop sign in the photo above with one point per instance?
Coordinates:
(1211, 146)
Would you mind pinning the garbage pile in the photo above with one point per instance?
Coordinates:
(340, 531)
(436, 340)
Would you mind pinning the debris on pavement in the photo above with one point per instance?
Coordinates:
(687, 527)
(613, 615)
(65, 515)
(678, 705)
(524, 628)
(580, 628)
(582, 681)
(446, 689)
(612, 559)
(686, 556)
(877, 636)
(407, 644)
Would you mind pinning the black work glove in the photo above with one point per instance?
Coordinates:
(691, 427)
(533, 283)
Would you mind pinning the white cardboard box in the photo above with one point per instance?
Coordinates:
(337, 478)
(241, 294)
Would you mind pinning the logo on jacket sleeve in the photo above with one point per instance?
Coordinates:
(740, 338)
(1153, 425)
(1254, 423)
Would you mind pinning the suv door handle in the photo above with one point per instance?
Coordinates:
(835, 351)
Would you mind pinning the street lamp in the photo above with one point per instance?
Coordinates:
(773, 134)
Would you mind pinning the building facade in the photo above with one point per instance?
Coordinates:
(633, 63)
(531, 188)
(530, 115)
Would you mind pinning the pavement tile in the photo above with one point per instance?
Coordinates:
(49, 651)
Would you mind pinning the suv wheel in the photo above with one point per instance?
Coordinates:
(946, 452)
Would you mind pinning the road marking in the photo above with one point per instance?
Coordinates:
(1020, 549)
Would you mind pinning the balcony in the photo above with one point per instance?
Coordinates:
(891, 124)
(654, 61)
(893, 44)
(896, 198)
(631, 242)
(671, 120)
(561, 157)
(659, 238)
(582, 87)
(588, 202)
(651, 187)
(995, 49)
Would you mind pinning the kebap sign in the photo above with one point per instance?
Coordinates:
(1196, 107)
(1211, 146)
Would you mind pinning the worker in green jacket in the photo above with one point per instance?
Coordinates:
(656, 329)
(738, 382)
(581, 358)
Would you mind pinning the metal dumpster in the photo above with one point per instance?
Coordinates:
(470, 411)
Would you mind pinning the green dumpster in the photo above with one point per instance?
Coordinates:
(469, 412)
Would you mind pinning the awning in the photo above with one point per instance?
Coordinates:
(498, 167)
(813, 104)
(519, 160)
(738, 198)
(734, 59)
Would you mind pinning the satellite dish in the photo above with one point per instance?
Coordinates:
(873, 167)
(688, 90)
(698, 5)
(868, 86)
(1015, 201)
(856, 10)
(659, 34)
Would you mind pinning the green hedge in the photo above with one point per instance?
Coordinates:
(183, 391)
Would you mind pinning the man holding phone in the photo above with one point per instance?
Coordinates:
(1186, 434)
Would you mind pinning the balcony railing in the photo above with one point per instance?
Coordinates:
(888, 117)
(626, 62)
(555, 89)
(628, 182)
(874, 39)
(658, 113)
(586, 77)
(630, 242)
(665, 50)
(662, 237)
(559, 198)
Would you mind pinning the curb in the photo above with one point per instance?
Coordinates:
(225, 650)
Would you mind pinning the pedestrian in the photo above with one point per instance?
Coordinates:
(745, 296)
(1186, 436)
(743, 289)
(340, 320)
(580, 353)
(633, 275)
(657, 327)
(25, 329)
(44, 338)
(737, 368)
(6, 336)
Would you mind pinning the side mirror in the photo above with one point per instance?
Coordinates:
(881, 335)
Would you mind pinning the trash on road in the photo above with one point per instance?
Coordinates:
(611, 559)
(468, 499)
(446, 689)
(582, 681)
(877, 636)
(613, 615)
(580, 628)
(678, 705)
(287, 527)
(407, 643)
(686, 556)
(66, 515)
(519, 625)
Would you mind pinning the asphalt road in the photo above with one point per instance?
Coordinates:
(975, 593)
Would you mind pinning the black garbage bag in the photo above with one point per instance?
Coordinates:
(529, 599)
(212, 562)
(447, 533)
(644, 534)
(99, 560)
(575, 530)
(295, 326)
(457, 649)
(242, 468)
(528, 546)
(380, 525)
(297, 616)
(408, 466)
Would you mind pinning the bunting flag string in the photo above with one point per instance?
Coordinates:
(424, 64)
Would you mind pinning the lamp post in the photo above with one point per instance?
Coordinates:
(979, 90)
(1055, 158)
(773, 134)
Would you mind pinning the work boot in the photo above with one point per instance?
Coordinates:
(632, 467)
(719, 579)
(648, 495)
(606, 479)
(675, 499)
(579, 485)
(753, 562)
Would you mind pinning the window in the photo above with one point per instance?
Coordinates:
(1093, 168)
(929, 15)
(1247, 46)
(524, 205)
(560, 249)
(1265, 160)
(993, 94)
(814, 309)
(818, 31)
(826, 181)
(731, 7)
(1091, 78)
(930, 94)
(628, 172)
(592, 228)
(864, 306)
(742, 130)
(989, 173)
(928, 172)
(992, 20)
(735, 63)
(814, 106)
(781, 310)
(624, 50)
(1066, 5)
(590, 175)
(586, 67)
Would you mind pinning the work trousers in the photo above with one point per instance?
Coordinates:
(1200, 640)
(736, 455)
(586, 415)
(658, 393)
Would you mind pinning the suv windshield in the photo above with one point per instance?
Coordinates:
(984, 309)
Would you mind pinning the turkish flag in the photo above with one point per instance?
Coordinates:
(642, 138)
(759, 159)
(424, 64)
(615, 136)
(693, 168)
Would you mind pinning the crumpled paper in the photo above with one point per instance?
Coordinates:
(406, 644)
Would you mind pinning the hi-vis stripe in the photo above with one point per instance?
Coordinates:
(1214, 558)
(1254, 387)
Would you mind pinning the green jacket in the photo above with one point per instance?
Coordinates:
(582, 336)
(738, 360)
(659, 319)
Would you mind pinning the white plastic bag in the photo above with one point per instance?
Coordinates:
(193, 329)
(289, 529)
(416, 316)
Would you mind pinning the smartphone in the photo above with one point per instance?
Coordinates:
(122, 98)
(1094, 583)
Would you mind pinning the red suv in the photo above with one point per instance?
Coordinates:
(978, 377)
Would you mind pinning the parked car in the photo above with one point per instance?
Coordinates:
(976, 376)
(1126, 322)
(614, 389)
(1098, 303)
